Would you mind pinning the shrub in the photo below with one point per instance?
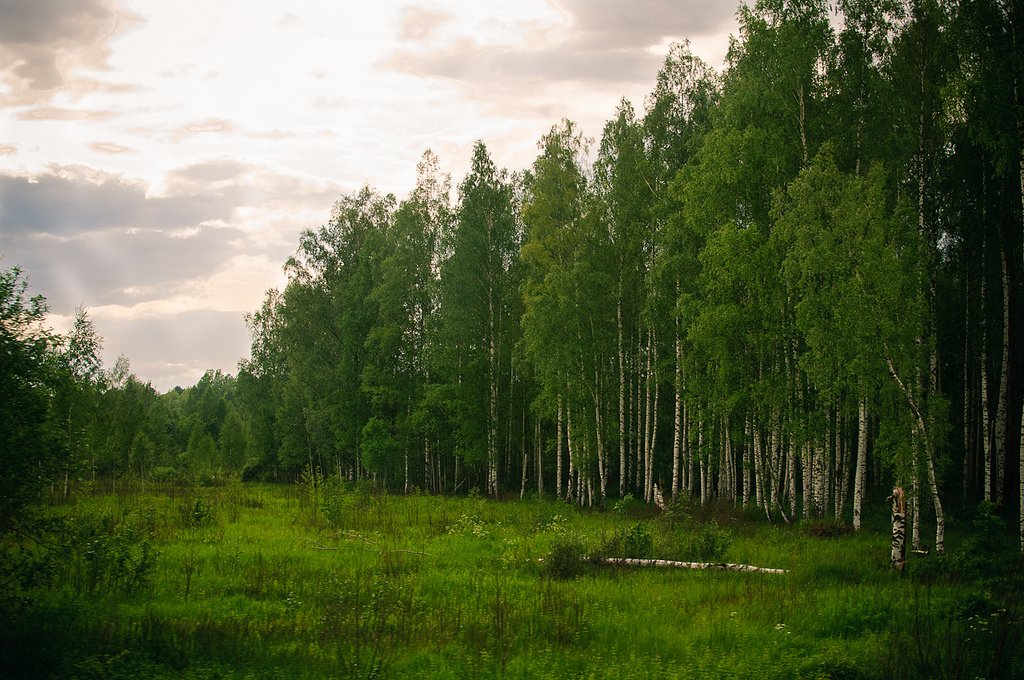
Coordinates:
(710, 543)
(566, 557)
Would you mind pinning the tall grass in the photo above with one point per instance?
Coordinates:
(323, 579)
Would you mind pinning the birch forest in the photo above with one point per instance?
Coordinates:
(792, 284)
(642, 409)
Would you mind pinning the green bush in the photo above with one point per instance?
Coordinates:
(566, 557)
(710, 543)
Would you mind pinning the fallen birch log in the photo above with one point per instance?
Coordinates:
(722, 566)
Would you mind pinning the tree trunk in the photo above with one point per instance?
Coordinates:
(899, 529)
(807, 464)
(719, 566)
(703, 462)
(522, 445)
(862, 457)
(677, 425)
(492, 424)
(602, 467)
(1002, 407)
(622, 397)
(747, 463)
(922, 431)
(538, 451)
(558, 451)
(647, 424)
(986, 437)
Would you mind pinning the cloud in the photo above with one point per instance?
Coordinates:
(599, 43)
(69, 200)
(201, 127)
(45, 43)
(419, 24)
(8, 150)
(215, 232)
(108, 147)
(56, 113)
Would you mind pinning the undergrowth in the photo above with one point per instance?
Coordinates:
(328, 578)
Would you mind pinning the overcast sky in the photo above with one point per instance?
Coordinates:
(159, 159)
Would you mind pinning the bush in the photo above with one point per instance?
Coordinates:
(566, 557)
(710, 543)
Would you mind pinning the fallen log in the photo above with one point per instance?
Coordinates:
(721, 566)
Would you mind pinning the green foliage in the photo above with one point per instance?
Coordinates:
(710, 543)
(257, 593)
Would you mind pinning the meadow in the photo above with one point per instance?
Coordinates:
(320, 579)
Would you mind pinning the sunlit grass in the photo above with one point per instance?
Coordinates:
(258, 581)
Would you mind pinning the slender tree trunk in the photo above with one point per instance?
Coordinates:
(791, 465)
(522, 446)
(807, 463)
(899, 529)
(647, 423)
(622, 397)
(1002, 406)
(748, 463)
(654, 420)
(703, 463)
(538, 452)
(558, 451)
(758, 475)
(862, 457)
(677, 426)
(602, 465)
(922, 431)
(492, 424)
(986, 436)
(572, 454)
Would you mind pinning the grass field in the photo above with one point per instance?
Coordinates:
(251, 581)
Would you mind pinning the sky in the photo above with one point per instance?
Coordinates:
(158, 160)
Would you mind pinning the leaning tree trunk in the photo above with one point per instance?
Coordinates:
(922, 432)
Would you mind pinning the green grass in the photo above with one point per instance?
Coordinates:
(268, 581)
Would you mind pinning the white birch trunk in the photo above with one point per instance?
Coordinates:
(791, 464)
(758, 476)
(558, 451)
(677, 426)
(538, 452)
(598, 425)
(522, 446)
(898, 556)
(922, 431)
(654, 418)
(622, 398)
(647, 426)
(492, 425)
(747, 463)
(1002, 407)
(862, 456)
(807, 464)
(719, 566)
(703, 462)
(986, 436)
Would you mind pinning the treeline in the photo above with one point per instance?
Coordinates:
(784, 285)
(781, 284)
